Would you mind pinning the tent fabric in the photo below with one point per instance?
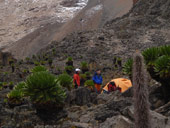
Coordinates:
(123, 83)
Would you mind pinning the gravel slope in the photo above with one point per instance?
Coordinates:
(93, 16)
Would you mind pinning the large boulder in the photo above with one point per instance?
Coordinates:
(117, 122)
(111, 108)
(81, 96)
(165, 109)
(128, 93)
(157, 120)
(156, 96)
(103, 98)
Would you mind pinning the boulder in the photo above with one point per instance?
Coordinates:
(157, 120)
(80, 96)
(128, 93)
(156, 96)
(165, 109)
(81, 125)
(117, 122)
(111, 108)
(103, 98)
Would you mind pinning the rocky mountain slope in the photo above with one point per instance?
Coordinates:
(93, 16)
(19, 18)
(146, 25)
(83, 110)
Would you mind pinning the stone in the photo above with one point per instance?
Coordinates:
(81, 125)
(164, 110)
(117, 122)
(128, 93)
(85, 118)
(157, 120)
(111, 108)
(80, 96)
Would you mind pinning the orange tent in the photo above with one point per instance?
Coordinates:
(123, 83)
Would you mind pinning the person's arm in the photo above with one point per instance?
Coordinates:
(100, 81)
(75, 79)
(76, 83)
(109, 88)
(94, 80)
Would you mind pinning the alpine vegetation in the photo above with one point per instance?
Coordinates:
(141, 103)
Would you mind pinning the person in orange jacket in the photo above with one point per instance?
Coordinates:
(76, 78)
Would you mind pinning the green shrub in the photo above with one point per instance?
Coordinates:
(38, 69)
(50, 61)
(33, 57)
(20, 86)
(83, 76)
(15, 96)
(13, 67)
(36, 63)
(157, 60)
(54, 49)
(84, 65)
(27, 59)
(5, 84)
(69, 59)
(127, 68)
(25, 71)
(20, 62)
(6, 73)
(69, 69)
(65, 81)
(162, 66)
(43, 88)
(11, 61)
(87, 73)
(165, 50)
(89, 83)
(11, 85)
(43, 62)
(150, 55)
(1, 86)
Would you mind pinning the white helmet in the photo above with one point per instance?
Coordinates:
(77, 70)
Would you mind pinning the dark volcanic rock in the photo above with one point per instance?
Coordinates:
(128, 93)
(165, 109)
(111, 108)
(81, 96)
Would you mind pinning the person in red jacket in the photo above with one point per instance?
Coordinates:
(76, 78)
(111, 87)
